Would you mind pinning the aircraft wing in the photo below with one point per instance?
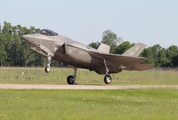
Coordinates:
(141, 67)
(120, 59)
(115, 62)
(127, 62)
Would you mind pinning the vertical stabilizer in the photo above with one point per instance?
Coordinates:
(135, 50)
(104, 48)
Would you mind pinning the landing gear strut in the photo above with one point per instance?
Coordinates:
(107, 78)
(47, 68)
(71, 78)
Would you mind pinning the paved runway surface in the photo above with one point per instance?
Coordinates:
(93, 87)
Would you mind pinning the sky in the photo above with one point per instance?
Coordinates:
(147, 21)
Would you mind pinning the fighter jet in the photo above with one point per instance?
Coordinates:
(68, 51)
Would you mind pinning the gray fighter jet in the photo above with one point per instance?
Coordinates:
(73, 53)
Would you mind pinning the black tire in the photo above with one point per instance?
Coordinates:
(107, 79)
(47, 69)
(70, 80)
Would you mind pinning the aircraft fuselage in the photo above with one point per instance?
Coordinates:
(67, 51)
(78, 55)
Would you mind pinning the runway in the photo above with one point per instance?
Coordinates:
(85, 87)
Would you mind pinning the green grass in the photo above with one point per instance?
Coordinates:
(142, 104)
(158, 104)
(37, 75)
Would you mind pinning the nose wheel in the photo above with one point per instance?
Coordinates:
(47, 69)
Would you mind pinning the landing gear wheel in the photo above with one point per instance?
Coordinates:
(107, 79)
(70, 80)
(47, 69)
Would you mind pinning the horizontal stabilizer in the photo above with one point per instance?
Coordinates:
(135, 50)
(104, 48)
(142, 66)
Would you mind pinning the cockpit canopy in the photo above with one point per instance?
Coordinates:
(48, 32)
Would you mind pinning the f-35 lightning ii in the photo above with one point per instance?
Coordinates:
(78, 55)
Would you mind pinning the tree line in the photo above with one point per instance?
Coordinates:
(14, 51)
(157, 55)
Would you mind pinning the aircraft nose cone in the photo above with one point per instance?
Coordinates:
(29, 38)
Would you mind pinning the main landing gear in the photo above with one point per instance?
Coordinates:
(107, 78)
(47, 68)
(71, 78)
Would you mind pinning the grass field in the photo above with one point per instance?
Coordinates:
(131, 104)
(158, 104)
(58, 76)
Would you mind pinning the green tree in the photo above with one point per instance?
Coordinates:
(120, 49)
(148, 54)
(162, 58)
(111, 39)
(30, 57)
(172, 53)
(0, 28)
(94, 44)
(3, 52)
(175, 61)
(14, 51)
(7, 42)
(155, 52)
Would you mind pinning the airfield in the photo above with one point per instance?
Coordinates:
(85, 87)
(30, 93)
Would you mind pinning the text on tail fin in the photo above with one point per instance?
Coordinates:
(135, 50)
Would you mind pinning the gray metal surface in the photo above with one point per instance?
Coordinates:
(68, 51)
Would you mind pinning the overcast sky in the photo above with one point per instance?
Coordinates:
(148, 21)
